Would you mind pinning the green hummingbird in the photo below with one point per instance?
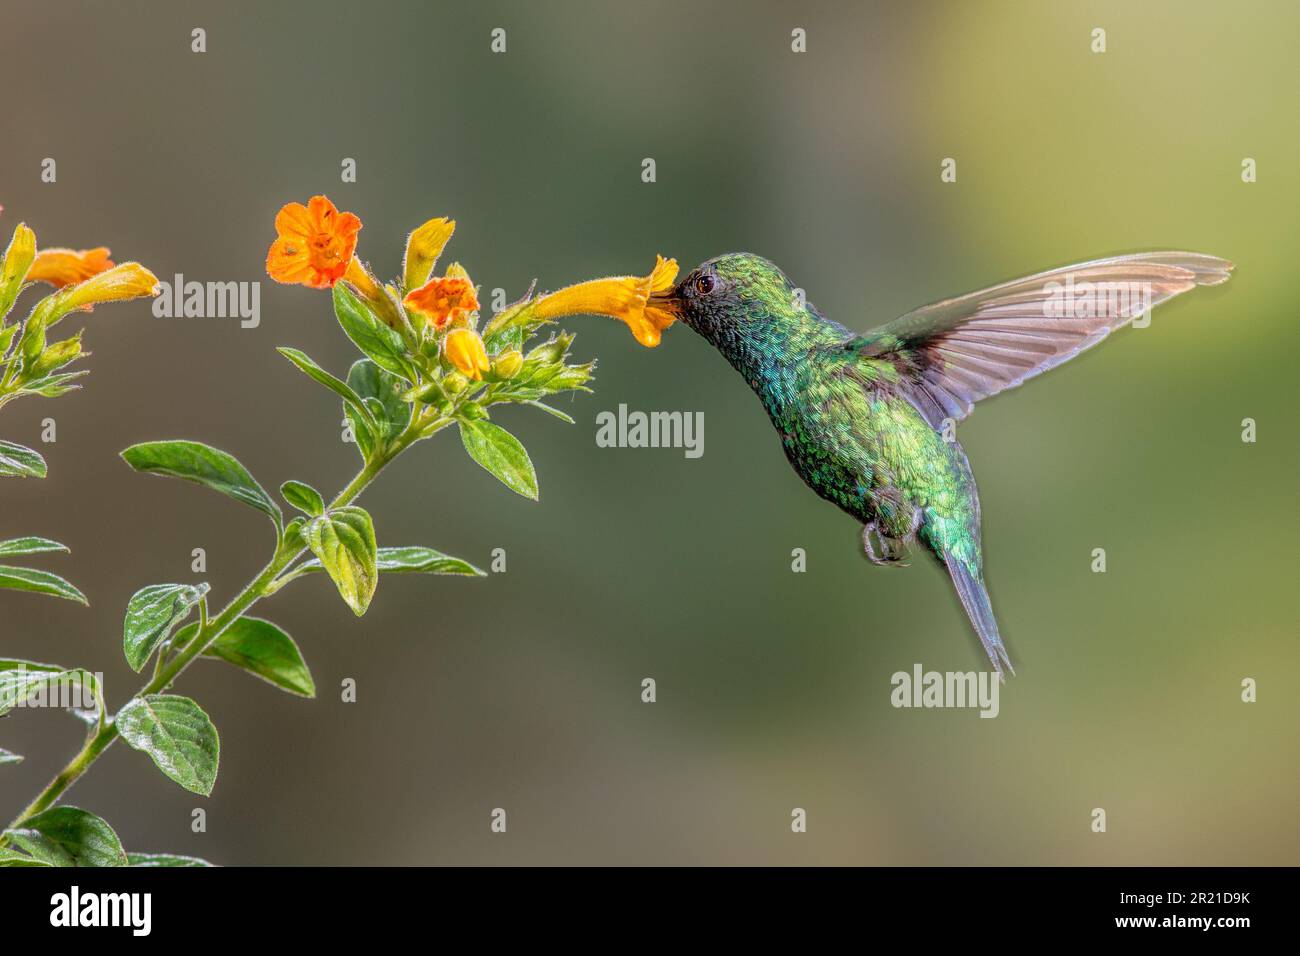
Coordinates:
(868, 420)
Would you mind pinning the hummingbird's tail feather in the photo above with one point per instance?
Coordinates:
(975, 599)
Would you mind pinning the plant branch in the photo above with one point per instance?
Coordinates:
(265, 583)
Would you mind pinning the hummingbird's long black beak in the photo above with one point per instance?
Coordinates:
(667, 301)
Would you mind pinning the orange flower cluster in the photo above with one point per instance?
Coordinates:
(315, 246)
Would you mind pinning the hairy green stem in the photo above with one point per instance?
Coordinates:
(265, 583)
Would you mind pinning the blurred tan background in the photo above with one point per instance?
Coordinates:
(522, 690)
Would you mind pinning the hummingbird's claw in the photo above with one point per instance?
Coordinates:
(892, 551)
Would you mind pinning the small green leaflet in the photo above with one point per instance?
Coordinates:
(262, 649)
(52, 386)
(8, 756)
(375, 339)
(49, 685)
(177, 734)
(567, 419)
(204, 465)
(500, 453)
(18, 461)
(410, 560)
(344, 542)
(388, 414)
(163, 859)
(39, 582)
(68, 836)
(19, 680)
(303, 497)
(304, 362)
(150, 616)
(29, 546)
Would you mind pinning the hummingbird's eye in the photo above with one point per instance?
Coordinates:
(705, 284)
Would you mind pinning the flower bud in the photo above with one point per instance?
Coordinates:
(464, 350)
(553, 350)
(508, 364)
(13, 270)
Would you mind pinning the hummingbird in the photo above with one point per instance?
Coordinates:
(868, 420)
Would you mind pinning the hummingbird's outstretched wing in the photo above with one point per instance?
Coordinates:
(961, 350)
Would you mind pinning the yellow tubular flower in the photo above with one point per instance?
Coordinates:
(464, 350)
(130, 280)
(423, 247)
(362, 279)
(358, 275)
(622, 297)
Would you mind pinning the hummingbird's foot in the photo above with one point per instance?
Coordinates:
(891, 551)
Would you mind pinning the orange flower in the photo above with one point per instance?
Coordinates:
(622, 297)
(440, 300)
(60, 267)
(314, 243)
(464, 350)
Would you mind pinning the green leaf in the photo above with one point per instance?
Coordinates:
(8, 756)
(384, 346)
(152, 613)
(409, 560)
(417, 560)
(552, 411)
(505, 339)
(20, 679)
(39, 582)
(204, 465)
(52, 386)
(500, 453)
(17, 461)
(314, 371)
(68, 836)
(177, 734)
(260, 648)
(29, 546)
(13, 663)
(10, 857)
(344, 541)
(163, 859)
(381, 393)
(303, 497)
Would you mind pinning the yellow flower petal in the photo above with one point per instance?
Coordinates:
(423, 247)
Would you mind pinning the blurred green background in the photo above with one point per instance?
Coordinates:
(522, 690)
